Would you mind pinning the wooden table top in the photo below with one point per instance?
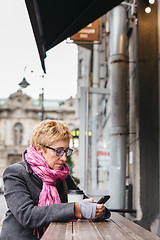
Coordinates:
(115, 228)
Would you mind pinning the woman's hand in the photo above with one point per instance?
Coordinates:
(90, 200)
(99, 208)
(99, 211)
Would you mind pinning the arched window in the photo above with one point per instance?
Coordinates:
(18, 132)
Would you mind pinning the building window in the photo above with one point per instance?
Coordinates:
(81, 68)
(18, 131)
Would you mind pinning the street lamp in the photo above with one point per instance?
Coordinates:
(24, 83)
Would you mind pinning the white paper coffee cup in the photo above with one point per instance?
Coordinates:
(75, 195)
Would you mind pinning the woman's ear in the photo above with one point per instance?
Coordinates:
(39, 149)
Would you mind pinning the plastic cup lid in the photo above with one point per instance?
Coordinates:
(75, 191)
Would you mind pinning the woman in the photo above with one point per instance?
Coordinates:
(36, 188)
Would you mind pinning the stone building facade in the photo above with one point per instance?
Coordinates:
(19, 114)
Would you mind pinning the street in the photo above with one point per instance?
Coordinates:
(3, 208)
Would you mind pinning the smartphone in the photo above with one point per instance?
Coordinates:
(103, 199)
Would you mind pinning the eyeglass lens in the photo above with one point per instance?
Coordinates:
(60, 152)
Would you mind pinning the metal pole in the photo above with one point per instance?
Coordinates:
(82, 140)
(94, 117)
(118, 78)
(42, 100)
(42, 111)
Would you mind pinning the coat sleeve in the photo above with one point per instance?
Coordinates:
(23, 207)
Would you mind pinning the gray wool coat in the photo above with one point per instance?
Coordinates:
(22, 190)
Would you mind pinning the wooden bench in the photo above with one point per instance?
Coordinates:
(115, 228)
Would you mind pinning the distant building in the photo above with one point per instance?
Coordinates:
(19, 114)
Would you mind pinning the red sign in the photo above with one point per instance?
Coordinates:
(103, 153)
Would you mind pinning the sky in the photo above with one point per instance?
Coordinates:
(19, 58)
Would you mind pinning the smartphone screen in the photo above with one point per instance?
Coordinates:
(103, 199)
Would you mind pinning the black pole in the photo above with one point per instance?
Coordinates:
(42, 104)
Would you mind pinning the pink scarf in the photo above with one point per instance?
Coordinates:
(49, 194)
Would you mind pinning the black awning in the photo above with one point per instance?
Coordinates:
(55, 20)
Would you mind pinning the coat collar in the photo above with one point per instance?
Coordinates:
(27, 165)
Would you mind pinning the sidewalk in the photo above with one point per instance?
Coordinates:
(1, 223)
(3, 208)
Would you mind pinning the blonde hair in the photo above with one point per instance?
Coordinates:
(49, 131)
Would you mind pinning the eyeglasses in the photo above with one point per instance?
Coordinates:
(61, 151)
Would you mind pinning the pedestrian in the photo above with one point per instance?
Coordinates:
(35, 189)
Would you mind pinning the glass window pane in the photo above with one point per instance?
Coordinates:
(98, 144)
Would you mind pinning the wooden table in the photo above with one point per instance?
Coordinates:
(116, 228)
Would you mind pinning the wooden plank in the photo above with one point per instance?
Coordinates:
(111, 231)
(132, 229)
(115, 228)
(85, 230)
(58, 231)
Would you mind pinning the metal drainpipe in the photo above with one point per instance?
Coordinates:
(118, 79)
(94, 116)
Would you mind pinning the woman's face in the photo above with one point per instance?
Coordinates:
(55, 162)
